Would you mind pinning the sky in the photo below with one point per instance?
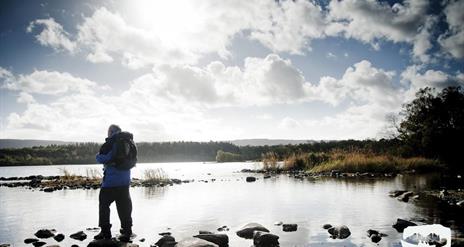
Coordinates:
(183, 70)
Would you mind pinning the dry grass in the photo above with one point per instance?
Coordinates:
(360, 162)
(93, 173)
(270, 161)
(155, 176)
(67, 175)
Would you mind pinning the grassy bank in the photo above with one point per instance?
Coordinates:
(351, 162)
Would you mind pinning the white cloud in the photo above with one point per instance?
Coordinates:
(453, 41)
(25, 98)
(289, 123)
(46, 82)
(370, 21)
(52, 34)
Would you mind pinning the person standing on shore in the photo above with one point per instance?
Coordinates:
(118, 155)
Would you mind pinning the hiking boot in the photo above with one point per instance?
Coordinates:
(126, 234)
(104, 234)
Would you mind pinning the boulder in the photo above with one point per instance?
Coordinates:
(30, 240)
(401, 224)
(247, 230)
(265, 239)
(80, 235)
(44, 233)
(195, 242)
(340, 232)
(166, 241)
(327, 226)
(250, 179)
(103, 243)
(289, 227)
(39, 243)
(222, 240)
(405, 196)
(376, 238)
(59, 237)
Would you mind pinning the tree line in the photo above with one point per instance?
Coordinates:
(431, 125)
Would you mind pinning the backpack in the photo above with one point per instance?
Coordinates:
(125, 156)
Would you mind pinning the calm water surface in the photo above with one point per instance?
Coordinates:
(361, 204)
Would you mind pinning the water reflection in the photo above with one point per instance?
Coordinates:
(361, 204)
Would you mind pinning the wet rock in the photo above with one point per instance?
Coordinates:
(340, 232)
(59, 237)
(39, 243)
(247, 230)
(222, 240)
(327, 226)
(265, 239)
(80, 235)
(48, 189)
(30, 240)
(401, 224)
(103, 243)
(5, 245)
(396, 193)
(289, 227)
(195, 242)
(222, 228)
(44, 233)
(250, 179)
(405, 196)
(267, 176)
(375, 238)
(142, 240)
(165, 241)
(74, 245)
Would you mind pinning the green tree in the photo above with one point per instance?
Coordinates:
(433, 125)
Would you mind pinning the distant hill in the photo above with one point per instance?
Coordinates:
(19, 143)
(269, 142)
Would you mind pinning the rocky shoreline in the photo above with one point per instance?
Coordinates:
(259, 236)
(54, 183)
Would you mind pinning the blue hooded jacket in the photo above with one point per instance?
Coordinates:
(112, 177)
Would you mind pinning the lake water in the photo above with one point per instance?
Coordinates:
(184, 209)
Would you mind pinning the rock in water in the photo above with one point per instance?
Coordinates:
(30, 240)
(289, 227)
(195, 242)
(166, 241)
(59, 237)
(220, 239)
(340, 232)
(44, 233)
(405, 196)
(265, 239)
(103, 243)
(80, 235)
(327, 226)
(401, 224)
(250, 179)
(39, 243)
(375, 238)
(247, 230)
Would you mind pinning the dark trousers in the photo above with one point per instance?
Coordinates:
(123, 205)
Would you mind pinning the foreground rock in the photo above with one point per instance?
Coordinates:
(30, 240)
(375, 235)
(80, 235)
(109, 243)
(327, 226)
(289, 227)
(39, 243)
(195, 242)
(339, 232)
(401, 224)
(59, 237)
(247, 230)
(250, 179)
(265, 239)
(222, 240)
(44, 233)
(166, 241)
